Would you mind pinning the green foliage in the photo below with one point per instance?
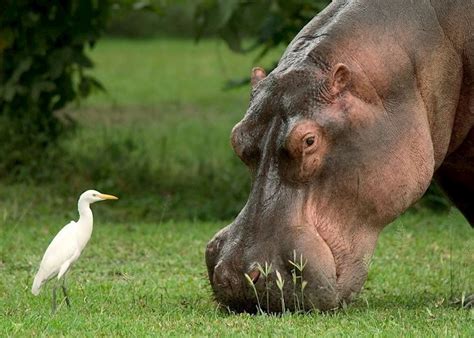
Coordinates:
(148, 19)
(247, 26)
(43, 65)
(264, 23)
(268, 23)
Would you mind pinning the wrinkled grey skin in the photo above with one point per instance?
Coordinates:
(384, 91)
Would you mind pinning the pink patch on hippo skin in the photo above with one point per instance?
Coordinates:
(235, 136)
(340, 79)
(306, 146)
(254, 275)
(258, 74)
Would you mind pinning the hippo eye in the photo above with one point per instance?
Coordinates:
(309, 140)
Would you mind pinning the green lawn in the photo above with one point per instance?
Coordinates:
(149, 278)
(172, 72)
(159, 138)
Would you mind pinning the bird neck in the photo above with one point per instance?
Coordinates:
(85, 212)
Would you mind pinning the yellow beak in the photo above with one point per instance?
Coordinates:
(108, 197)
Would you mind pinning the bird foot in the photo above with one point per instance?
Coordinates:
(466, 302)
(66, 297)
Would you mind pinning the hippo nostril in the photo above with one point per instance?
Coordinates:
(254, 275)
(220, 277)
(219, 280)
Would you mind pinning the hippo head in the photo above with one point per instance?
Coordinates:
(332, 161)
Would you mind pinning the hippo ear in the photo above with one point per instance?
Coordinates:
(341, 77)
(258, 74)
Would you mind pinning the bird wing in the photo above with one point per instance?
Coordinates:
(62, 248)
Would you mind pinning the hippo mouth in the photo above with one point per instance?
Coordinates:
(299, 287)
(301, 279)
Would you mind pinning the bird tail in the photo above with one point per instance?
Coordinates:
(36, 288)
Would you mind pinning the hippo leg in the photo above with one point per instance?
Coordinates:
(457, 181)
(458, 191)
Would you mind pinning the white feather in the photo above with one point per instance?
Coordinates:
(63, 249)
(67, 245)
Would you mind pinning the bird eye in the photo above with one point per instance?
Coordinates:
(94, 195)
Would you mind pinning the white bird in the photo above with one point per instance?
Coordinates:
(68, 244)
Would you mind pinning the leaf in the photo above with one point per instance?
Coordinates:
(22, 67)
(41, 86)
(58, 60)
(83, 60)
(6, 38)
(280, 282)
(87, 84)
(249, 280)
(8, 92)
(97, 85)
(232, 38)
(226, 9)
(140, 5)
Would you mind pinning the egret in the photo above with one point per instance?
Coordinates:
(67, 245)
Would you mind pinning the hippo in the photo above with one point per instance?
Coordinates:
(371, 102)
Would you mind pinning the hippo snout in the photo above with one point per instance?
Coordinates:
(243, 280)
(248, 276)
(225, 269)
(225, 278)
(213, 250)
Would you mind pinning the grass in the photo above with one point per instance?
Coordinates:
(147, 279)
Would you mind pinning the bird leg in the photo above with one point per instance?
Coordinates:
(54, 304)
(66, 296)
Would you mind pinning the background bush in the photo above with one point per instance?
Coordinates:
(42, 68)
(158, 19)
